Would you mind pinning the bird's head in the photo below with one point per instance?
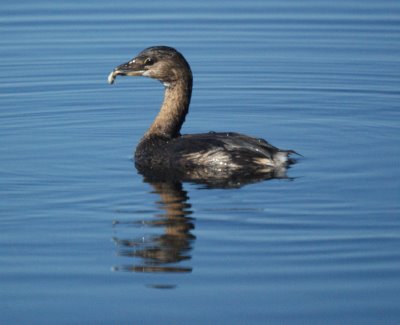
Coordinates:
(159, 62)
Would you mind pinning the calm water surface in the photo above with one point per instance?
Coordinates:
(85, 240)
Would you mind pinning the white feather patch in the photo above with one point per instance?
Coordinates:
(216, 158)
(280, 158)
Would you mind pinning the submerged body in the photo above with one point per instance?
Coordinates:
(163, 148)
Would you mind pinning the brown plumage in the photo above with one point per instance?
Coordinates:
(197, 156)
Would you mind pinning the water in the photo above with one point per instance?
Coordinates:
(85, 240)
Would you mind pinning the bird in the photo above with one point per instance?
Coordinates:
(206, 155)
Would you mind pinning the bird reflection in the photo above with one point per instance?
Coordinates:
(162, 252)
(212, 179)
(166, 252)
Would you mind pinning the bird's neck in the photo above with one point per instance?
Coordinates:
(175, 106)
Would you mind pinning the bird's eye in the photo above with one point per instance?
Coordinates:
(148, 61)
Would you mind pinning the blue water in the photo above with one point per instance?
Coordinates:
(85, 240)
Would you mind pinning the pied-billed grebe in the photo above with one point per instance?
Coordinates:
(163, 147)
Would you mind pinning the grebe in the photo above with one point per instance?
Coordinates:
(202, 155)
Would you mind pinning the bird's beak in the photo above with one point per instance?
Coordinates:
(131, 68)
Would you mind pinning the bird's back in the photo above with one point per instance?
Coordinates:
(215, 151)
